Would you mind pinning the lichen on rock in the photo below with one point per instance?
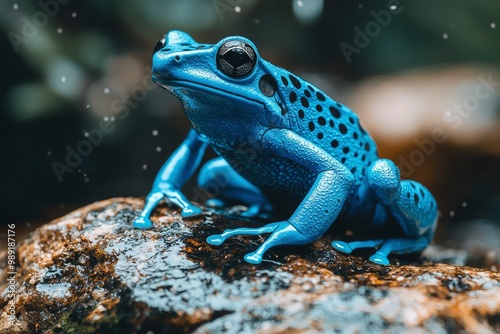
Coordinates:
(91, 271)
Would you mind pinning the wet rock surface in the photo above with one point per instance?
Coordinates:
(90, 271)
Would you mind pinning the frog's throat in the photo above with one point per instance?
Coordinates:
(171, 84)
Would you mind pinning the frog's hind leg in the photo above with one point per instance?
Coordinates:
(407, 202)
(222, 181)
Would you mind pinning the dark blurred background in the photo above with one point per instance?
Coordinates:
(409, 68)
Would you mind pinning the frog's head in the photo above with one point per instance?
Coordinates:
(225, 82)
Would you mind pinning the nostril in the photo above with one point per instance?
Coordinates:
(177, 58)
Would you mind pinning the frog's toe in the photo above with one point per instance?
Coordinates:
(215, 203)
(216, 239)
(379, 259)
(258, 211)
(142, 222)
(191, 211)
(342, 246)
(253, 258)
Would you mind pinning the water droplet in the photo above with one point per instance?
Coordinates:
(59, 31)
(106, 90)
(155, 132)
(15, 6)
(158, 149)
(452, 213)
(393, 7)
(237, 9)
(86, 134)
(63, 79)
(144, 167)
(464, 204)
(106, 118)
(73, 15)
(493, 25)
(445, 36)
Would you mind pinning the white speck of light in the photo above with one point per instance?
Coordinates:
(106, 90)
(158, 149)
(360, 6)
(237, 9)
(393, 7)
(464, 204)
(49, 153)
(308, 11)
(15, 6)
(452, 213)
(256, 21)
(144, 167)
(63, 79)
(445, 36)
(493, 25)
(59, 31)
(155, 132)
(86, 134)
(112, 119)
(87, 106)
(73, 15)
(106, 118)
(86, 180)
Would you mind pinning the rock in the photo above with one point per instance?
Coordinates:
(90, 271)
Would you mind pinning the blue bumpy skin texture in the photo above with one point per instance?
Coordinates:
(284, 147)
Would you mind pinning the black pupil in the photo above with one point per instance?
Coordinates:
(159, 45)
(236, 59)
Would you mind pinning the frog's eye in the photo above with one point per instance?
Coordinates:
(159, 45)
(236, 59)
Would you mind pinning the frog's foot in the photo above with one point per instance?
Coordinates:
(258, 211)
(393, 245)
(218, 239)
(282, 233)
(191, 211)
(216, 203)
(348, 247)
(142, 222)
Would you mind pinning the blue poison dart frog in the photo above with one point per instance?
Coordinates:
(285, 147)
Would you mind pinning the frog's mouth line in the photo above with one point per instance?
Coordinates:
(170, 84)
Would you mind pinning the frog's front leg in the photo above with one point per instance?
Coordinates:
(407, 202)
(319, 208)
(172, 176)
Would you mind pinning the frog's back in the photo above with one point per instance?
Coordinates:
(327, 123)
